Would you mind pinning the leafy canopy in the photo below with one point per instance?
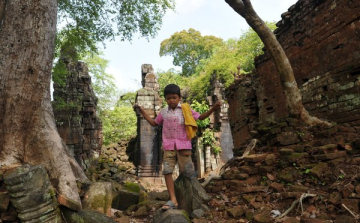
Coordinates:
(225, 61)
(84, 23)
(187, 49)
(171, 77)
(118, 124)
(103, 83)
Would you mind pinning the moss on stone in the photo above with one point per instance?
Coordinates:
(185, 215)
(143, 197)
(132, 187)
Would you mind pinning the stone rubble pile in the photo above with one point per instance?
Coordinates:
(113, 163)
(320, 162)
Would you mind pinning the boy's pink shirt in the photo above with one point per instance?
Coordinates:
(173, 132)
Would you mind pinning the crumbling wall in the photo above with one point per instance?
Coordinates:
(321, 40)
(75, 113)
(243, 111)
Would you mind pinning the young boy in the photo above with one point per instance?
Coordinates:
(176, 144)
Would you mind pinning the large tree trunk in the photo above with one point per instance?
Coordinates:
(28, 132)
(288, 82)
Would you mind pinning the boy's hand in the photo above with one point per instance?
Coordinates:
(217, 104)
(136, 108)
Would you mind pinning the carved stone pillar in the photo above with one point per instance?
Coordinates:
(149, 138)
(220, 122)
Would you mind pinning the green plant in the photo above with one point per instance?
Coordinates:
(216, 149)
(201, 108)
(208, 137)
(301, 134)
(264, 180)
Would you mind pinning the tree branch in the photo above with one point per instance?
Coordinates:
(247, 151)
(303, 196)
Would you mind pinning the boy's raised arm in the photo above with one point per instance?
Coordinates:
(211, 110)
(146, 116)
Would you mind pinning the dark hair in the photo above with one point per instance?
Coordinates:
(172, 89)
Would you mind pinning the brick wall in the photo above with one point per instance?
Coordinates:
(78, 125)
(322, 41)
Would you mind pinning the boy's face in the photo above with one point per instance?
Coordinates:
(172, 100)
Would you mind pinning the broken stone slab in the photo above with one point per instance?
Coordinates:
(330, 156)
(88, 216)
(124, 198)
(262, 217)
(171, 216)
(235, 212)
(295, 157)
(251, 189)
(287, 138)
(32, 194)
(289, 175)
(190, 194)
(198, 213)
(286, 151)
(277, 186)
(319, 169)
(98, 197)
(255, 158)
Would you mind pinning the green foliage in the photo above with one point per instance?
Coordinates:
(250, 46)
(103, 83)
(208, 138)
(201, 108)
(118, 124)
(87, 22)
(59, 104)
(127, 99)
(222, 64)
(170, 77)
(60, 73)
(225, 60)
(187, 49)
(216, 149)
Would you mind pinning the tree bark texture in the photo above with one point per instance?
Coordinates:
(282, 63)
(28, 132)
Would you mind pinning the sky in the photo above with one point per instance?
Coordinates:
(210, 17)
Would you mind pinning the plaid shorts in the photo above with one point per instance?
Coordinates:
(182, 158)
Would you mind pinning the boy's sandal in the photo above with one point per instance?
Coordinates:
(169, 205)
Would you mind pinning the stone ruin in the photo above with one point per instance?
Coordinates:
(207, 161)
(321, 40)
(288, 160)
(149, 138)
(75, 113)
